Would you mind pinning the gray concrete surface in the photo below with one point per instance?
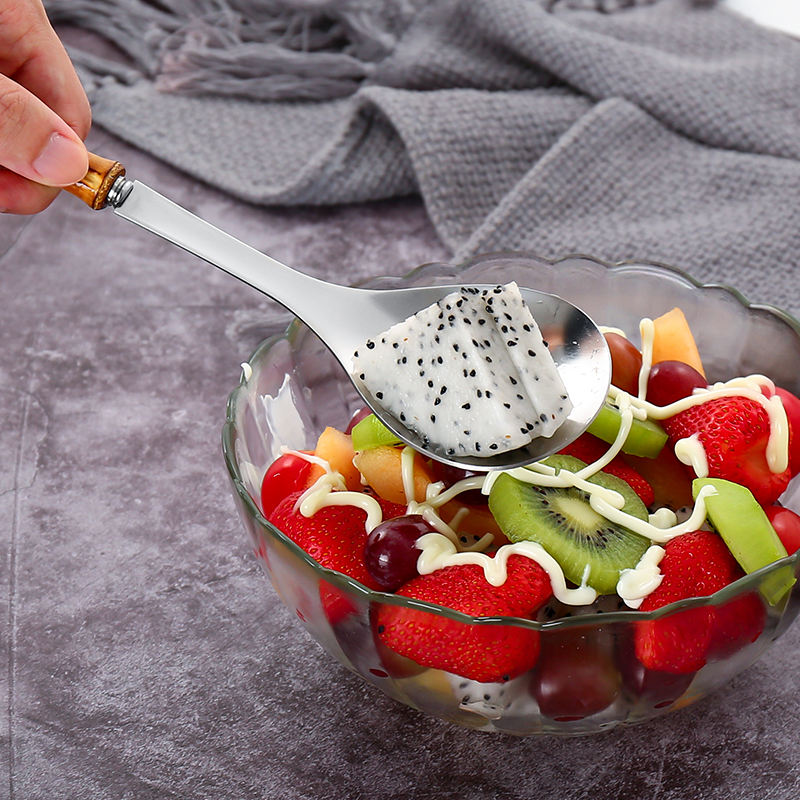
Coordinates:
(145, 655)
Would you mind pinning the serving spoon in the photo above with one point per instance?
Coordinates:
(345, 317)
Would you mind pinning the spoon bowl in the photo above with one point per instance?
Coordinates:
(577, 346)
(345, 317)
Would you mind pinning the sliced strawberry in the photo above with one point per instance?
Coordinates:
(734, 432)
(694, 565)
(589, 448)
(335, 536)
(485, 653)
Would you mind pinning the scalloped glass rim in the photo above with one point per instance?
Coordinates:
(435, 271)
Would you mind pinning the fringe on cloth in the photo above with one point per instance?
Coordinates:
(257, 49)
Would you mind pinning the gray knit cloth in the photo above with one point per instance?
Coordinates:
(665, 130)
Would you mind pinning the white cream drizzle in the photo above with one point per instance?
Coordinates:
(626, 422)
(443, 548)
(545, 475)
(310, 457)
(650, 531)
(635, 584)
(456, 489)
(611, 329)
(330, 490)
(663, 517)
(459, 517)
(609, 503)
(690, 451)
(439, 552)
(428, 513)
(319, 499)
(435, 497)
(751, 387)
(647, 332)
(778, 444)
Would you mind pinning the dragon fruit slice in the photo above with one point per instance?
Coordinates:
(530, 354)
(470, 373)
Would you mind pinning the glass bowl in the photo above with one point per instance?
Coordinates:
(296, 388)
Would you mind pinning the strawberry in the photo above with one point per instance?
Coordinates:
(485, 653)
(734, 432)
(675, 644)
(737, 623)
(696, 565)
(589, 448)
(335, 536)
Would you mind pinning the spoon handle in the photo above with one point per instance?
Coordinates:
(94, 187)
(313, 300)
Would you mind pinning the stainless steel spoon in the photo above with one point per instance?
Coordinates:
(345, 317)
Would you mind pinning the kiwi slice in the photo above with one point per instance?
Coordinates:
(571, 531)
(741, 522)
(371, 432)
(646, 437)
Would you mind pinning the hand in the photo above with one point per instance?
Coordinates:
(44, 113)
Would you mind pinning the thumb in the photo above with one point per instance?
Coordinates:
(35, 142)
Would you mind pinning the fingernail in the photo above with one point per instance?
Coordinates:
(63, 161)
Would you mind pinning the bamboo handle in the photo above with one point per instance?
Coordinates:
(93, 188)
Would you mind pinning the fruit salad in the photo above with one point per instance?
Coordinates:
(672, 493)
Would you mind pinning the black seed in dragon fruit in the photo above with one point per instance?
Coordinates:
(470, 374)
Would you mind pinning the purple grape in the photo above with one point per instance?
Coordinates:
(390, 553)
(671, 381)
